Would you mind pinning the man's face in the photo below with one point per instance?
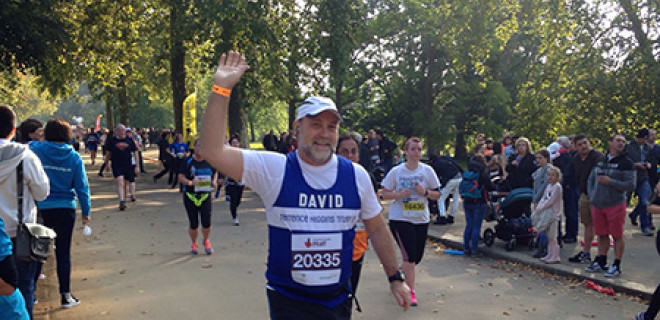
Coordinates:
(583, 146)
(317, 137)
(617, 144)
(641, 141)
(349, 149)
(120, 132)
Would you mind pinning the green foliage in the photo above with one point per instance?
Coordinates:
(443, 71)
(35, 39)
(24, 95)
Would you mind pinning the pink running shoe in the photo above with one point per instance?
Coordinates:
(193, 248)
(413, 299)
(207, 247)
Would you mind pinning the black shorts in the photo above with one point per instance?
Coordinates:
(411, 239)
(285, 308)
(127, 171)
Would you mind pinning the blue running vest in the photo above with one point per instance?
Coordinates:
(311, 236)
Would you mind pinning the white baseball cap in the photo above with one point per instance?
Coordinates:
(313, 106)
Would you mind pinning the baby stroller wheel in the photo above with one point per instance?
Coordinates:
(489, 237)
(532, 243)
(510, 245)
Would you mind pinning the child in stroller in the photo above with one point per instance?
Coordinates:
(513, 220)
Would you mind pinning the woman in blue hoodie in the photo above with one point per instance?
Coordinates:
(68, 180)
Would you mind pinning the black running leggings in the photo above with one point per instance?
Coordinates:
(235, 193)
(194, 212)
(654, 307)
(8, 272)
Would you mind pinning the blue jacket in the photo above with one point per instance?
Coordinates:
(67, 175)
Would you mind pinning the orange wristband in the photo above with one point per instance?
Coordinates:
(221, 91)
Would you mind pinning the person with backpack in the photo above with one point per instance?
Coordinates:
(473, 190)
(198, 178)
(410, 185)
(17, 276)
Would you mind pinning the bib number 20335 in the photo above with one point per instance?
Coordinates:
(316, 258)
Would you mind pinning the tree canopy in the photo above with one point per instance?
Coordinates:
(441, 70)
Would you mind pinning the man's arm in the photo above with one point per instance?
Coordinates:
(383, 244)
(231, 68)
(627, 183)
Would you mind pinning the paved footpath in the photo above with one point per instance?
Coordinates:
(136, 265)
(640, 264)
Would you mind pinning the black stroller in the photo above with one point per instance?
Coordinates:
(514, 224)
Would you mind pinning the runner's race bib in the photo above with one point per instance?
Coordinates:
(413, 208)
(316, 258)
(203, 184)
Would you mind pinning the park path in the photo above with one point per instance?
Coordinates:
(137, 266)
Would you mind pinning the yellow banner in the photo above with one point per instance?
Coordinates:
(190, 119)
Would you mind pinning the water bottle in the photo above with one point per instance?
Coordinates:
(405, 186)
(87, 231)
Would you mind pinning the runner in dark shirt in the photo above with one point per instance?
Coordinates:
(119, 149)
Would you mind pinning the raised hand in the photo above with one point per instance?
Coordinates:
(231, 68)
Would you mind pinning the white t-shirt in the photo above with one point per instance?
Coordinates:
(415, 208)
(263, 172)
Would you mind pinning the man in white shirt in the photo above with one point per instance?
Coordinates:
(313, 200)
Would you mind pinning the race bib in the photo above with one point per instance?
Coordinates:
(180, 155)
(316, 258)
(413, 208)
(203, 184)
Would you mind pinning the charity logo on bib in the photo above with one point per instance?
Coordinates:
(316, 258)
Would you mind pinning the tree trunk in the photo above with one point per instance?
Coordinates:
(645, 45)
(236, 115)
(109, 114)
(339, 96)
(428, 92)
(177, 64)
(292, 111)
(253, 136)
(123, 101)
(460, 152)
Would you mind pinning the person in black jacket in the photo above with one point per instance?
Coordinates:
(521, 166)
(365, 157)
(165, 158)
(386, 150)
(449, 173)
(639, 152)
(475, 208)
